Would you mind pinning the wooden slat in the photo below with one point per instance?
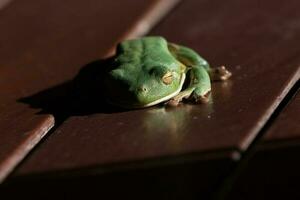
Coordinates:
(272, 169)
(4, 3)
(20, 131)
(253, 46)
(190, 179)
(44, 43)
(255, 40)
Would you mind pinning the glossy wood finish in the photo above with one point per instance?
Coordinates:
(253, 46)
(44, 43)
(183, 153)
(272, 169)
(258, 46)
(4, 3)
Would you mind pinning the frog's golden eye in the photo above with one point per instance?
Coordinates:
(167, 78)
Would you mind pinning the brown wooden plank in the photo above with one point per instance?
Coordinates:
(190, 179)
(253, 48)
(44, 43)
(272, 169)
(20, 131)
(256, 40)
(4, 3)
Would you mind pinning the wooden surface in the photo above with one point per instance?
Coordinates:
(44, 43)
(117, 137)
(272, 169)
(191, 152)
(4, 3)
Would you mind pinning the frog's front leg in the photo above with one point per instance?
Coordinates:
(199, 80)
(198, 89)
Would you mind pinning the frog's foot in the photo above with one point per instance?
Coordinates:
(175, 101)
(202, 98)
(219, 73)
(172, 103)
(189, 94)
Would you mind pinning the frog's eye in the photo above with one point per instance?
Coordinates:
(167, 78)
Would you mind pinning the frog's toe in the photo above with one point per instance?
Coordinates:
(201, 98)
(172, 103)
(220, 73)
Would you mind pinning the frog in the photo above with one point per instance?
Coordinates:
(149, 70)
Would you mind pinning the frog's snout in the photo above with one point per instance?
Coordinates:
(141, 93)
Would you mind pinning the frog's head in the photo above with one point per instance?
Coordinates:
(136, 87)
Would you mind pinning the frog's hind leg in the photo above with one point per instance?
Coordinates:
(190, 58)
(198, 89)
(199, 80)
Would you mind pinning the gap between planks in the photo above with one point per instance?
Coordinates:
(146, 22)
(9, 164)
(226, 186)
(269, 113)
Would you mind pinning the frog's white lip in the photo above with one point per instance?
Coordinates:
(169, 96)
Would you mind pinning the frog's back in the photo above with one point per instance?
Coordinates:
(141, 46)
(143, 51)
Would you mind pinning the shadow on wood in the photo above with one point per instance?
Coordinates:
(81, 96)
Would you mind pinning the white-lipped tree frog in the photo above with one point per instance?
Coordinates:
(149, 70)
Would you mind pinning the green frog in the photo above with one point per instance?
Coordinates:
(149, 70)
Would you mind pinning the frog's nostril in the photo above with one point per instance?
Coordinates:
(142, 89)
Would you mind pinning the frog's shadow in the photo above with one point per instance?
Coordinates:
(81, 96)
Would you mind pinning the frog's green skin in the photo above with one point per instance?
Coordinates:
(149, 70)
